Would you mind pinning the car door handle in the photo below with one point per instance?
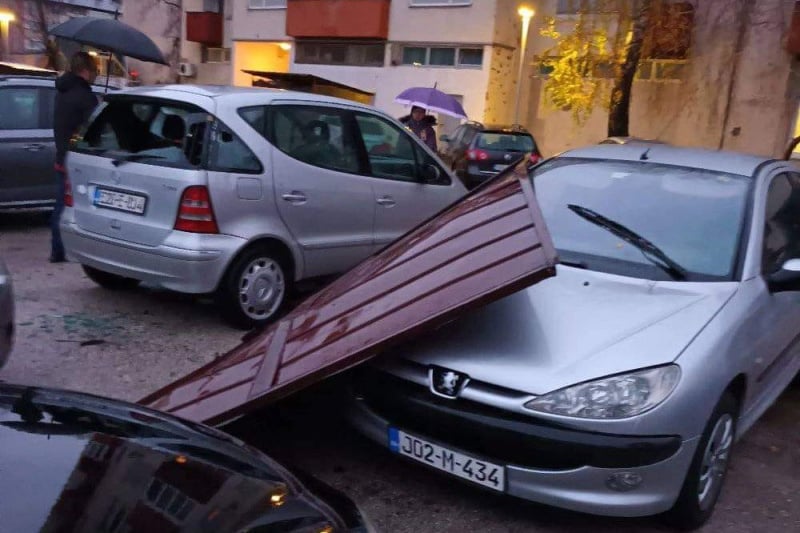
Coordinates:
(386, 201)
(35, 147)
(294, 197)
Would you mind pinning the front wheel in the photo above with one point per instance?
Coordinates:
(108, 280)
(253, 291)
(706, 475)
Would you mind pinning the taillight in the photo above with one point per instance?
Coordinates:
(535, 158)
(195, 213)
(69, 201)
(477, 155)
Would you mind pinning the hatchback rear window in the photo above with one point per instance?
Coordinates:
(152, 132)
(506, 142)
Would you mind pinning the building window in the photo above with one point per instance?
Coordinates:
(588, 7)
(339, 53)
(266, 4)
(216, 55)
(442, 56)
(654, 70)
(439, 3)
(171, 501)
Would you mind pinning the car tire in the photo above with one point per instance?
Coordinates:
(254, 290)
(108, 280)
(706, 475)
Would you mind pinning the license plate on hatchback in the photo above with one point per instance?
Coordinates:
(487, 474)
(500, 167)
(122, 201)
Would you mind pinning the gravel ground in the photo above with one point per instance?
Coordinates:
(75, 335)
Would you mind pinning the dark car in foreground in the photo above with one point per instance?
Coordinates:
(477, 152)
(75, 462)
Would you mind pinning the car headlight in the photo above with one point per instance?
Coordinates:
(620, 396)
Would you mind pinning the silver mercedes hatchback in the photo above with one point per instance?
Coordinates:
(619, 386)
(241, 192)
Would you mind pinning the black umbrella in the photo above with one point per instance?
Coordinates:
(112, 36)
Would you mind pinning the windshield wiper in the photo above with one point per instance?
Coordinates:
(127, 158)
(650, 251)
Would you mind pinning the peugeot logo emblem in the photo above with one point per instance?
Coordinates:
(446, 383)
(507, 157)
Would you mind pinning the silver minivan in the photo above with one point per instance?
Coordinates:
(241, 192)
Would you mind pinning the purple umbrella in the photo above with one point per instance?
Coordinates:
(431, 99)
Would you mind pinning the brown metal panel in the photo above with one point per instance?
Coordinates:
(488, 245)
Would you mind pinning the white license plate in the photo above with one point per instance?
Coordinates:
(500, 167)
(132, 203)
(480, 472)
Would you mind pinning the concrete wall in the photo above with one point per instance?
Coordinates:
(749, 87)
(162, 23)
(453, 24)
(257, 24)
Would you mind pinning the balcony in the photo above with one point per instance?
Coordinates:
(204, 27)
(352, 19)
(793, 39)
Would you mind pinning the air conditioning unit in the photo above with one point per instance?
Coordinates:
(187, 70)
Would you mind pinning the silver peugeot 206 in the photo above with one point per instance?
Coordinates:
(619, 386)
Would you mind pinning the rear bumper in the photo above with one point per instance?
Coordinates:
(551, 465)
(194, 266)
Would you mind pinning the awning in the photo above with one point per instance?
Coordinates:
(20, 69)
(308, 83)
(488, 245)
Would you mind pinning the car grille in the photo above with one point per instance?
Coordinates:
(499, 435)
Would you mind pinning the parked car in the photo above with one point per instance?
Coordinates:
(619, 386)
(477, 152)
(27, 148)
(241, 193)
(6, 314)
(629, 140)
(75, 462)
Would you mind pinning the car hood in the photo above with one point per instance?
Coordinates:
(577, 326)
(79, 462)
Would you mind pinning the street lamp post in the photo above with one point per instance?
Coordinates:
(5, 18)
(526, 14)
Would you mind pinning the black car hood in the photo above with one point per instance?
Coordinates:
(73, 462)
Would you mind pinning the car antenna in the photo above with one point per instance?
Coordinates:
(644, 156)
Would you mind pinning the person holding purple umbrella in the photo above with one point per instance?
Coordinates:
(422, 125)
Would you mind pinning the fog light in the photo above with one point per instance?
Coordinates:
(623, 481)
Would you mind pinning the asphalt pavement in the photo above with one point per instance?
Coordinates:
(73, 334)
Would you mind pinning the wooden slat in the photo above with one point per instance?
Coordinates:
(491, 244)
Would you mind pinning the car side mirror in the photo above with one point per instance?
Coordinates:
(431, 173)
(444, 138)
(785, 279)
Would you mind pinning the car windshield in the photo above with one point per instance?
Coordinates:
(506, 142)
(694, 216)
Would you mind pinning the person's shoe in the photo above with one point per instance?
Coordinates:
(57, 258)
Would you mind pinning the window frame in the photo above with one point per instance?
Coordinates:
(348, 129)
(266, 7)
(301, 44)
(439, 3)
(161, 102)
(793, 179)
(42, 107)
(210, 136)
(457, 49)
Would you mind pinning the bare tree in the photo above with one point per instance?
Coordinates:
(42, 24)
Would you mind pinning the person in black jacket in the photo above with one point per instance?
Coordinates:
(74, 103)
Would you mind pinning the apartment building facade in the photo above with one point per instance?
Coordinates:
(737, 87)
(467, 48)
